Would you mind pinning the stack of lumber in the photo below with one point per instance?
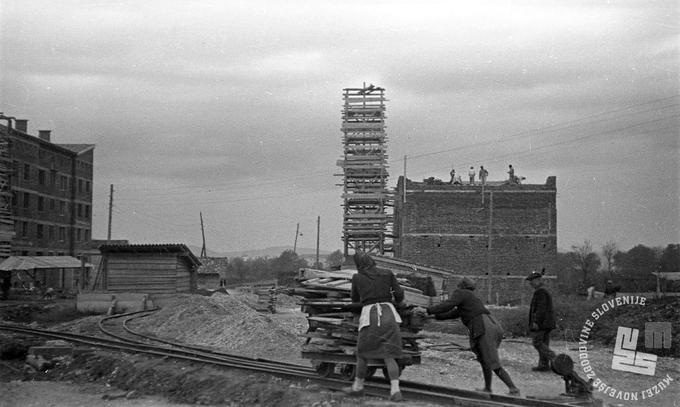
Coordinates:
(333, 319)
(266, 299)
(338, 284)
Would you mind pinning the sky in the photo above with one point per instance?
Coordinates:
(232, 109)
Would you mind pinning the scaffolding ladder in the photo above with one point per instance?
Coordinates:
(367, 202)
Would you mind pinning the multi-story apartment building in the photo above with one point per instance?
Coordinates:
(51, 187)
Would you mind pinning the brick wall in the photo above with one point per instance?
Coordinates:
(504, 230)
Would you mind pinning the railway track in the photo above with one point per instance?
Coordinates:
(116, 334)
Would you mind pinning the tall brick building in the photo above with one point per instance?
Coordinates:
(51, 187)
(497, 233)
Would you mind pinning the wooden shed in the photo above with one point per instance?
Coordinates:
(149, 268)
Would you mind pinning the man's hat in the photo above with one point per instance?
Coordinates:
(534, 275)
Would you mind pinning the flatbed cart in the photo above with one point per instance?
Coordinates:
(331, 338)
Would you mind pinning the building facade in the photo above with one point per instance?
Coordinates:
(497, 233)
(51, 192)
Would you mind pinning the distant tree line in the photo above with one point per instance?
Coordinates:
(629, 271)
(284, 268)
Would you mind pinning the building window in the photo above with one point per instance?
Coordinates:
(78, 235)
(53, 178)
(80, 210)
(62, 234)
(41, 203)
(24, 229)
(62, 208)
(87, 186)
(87, 234)
(80, 185)
(50, 232)
(27, 200)
(27, 171)
(87, 211)
(51, 204)
(41, 177)
(40, 231)
(63, 182)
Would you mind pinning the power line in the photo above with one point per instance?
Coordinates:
(579, 140)
(527, 133)
(533, 133)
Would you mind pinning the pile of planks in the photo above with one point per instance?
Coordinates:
(338, 284)
(266, 299)
(333, 321)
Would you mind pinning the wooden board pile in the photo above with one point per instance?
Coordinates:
(333, 321)
(266, 299)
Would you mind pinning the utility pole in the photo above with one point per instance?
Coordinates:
(297, 230)
(104, 265)
(108, 234)
(203, 251)
(318, 228)
(404, 178)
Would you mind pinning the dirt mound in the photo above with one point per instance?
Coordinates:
(224, 322)
(655, 310)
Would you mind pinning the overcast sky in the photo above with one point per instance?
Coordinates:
(233, 108)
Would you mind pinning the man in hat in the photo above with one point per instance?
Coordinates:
(485, 333)
(541, 321)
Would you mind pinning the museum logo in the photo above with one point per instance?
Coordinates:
(626, 356)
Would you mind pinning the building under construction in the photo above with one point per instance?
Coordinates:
(367, 218)
(495, 233)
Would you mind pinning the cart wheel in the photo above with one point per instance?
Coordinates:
(347, 372)
(371, 371)
(325, 369)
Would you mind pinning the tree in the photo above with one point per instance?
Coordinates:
(335, 259)
(608, 251)
(585, 260)
(670, 259)
(564, 270)
(635, 268)
(237, 268)
(287, 265)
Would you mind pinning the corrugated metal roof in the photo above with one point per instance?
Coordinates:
(178, 248)
(40, 262)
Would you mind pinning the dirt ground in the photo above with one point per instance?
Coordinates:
(122, 380)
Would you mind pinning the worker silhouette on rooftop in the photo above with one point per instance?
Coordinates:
(483, 173)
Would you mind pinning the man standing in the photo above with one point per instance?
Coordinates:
(511, 175)
(453, 176)
(471, 174)
(541, 321)
(483, 174)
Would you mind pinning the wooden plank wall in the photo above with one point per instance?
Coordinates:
(183, 277)
(148, 273)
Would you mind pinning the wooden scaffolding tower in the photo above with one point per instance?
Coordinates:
(368, 204)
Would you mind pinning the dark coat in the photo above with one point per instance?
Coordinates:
(541, 311)
(372, 285)
(462, 303)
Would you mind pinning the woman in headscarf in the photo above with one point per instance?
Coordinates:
(485, 333)
(379, 333)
